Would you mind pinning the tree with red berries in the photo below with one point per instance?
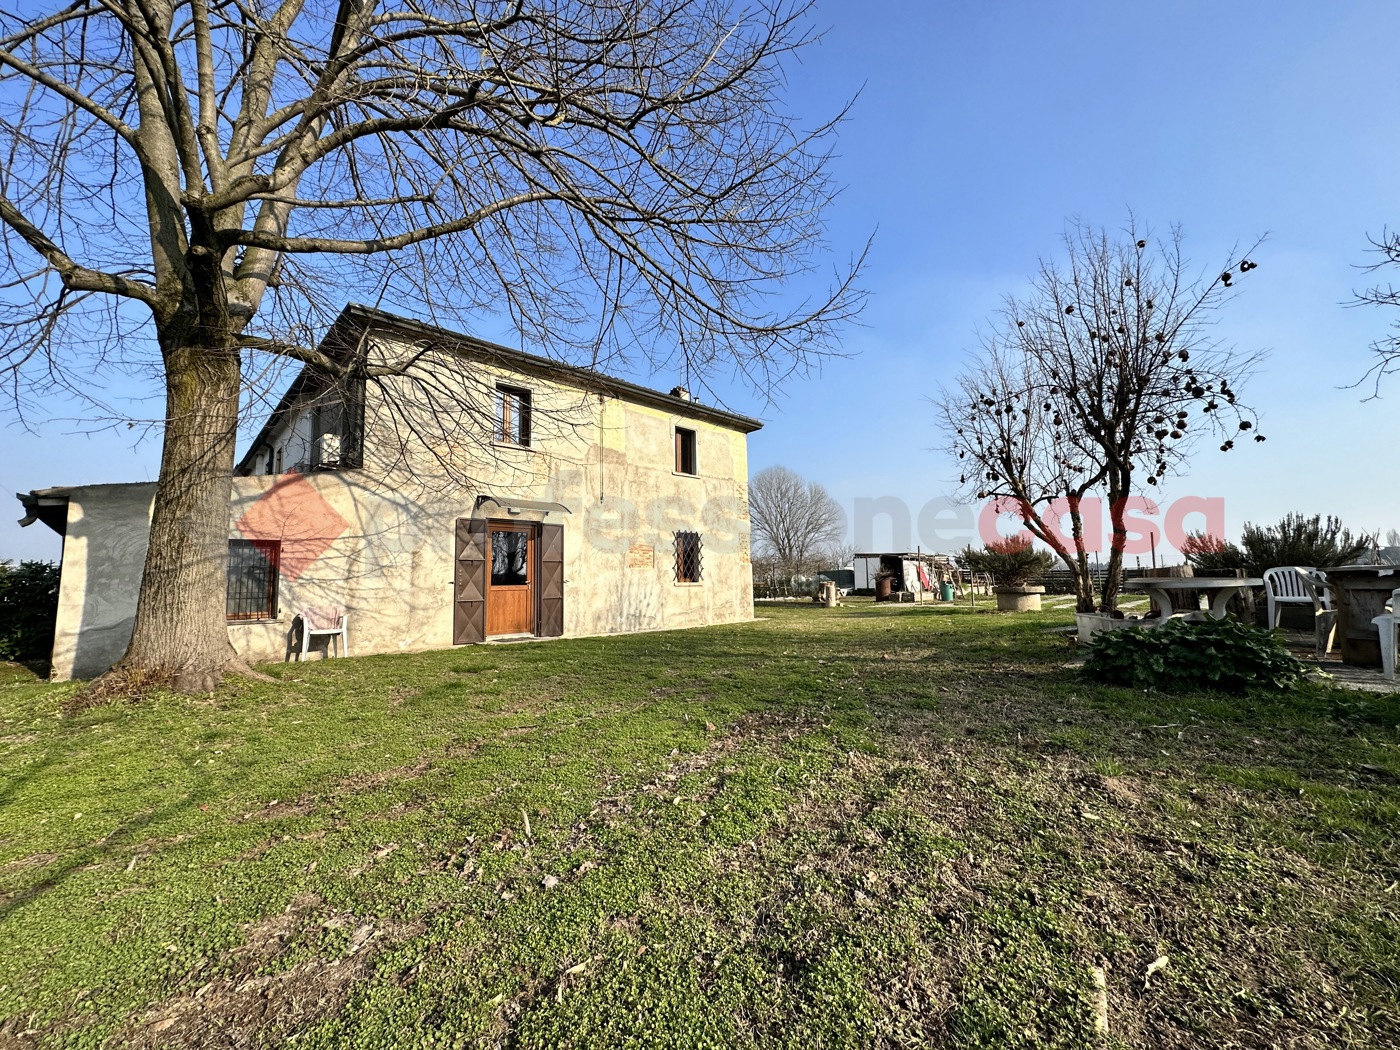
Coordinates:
(1104, 377)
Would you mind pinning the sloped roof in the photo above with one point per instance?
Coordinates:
(357, 319)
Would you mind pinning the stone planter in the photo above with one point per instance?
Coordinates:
(1018, 599)
(1091, 624)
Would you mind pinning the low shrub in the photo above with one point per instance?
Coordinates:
(1295, 540)
(1212, 556)
(28, 609)
(1179, 656)
(1011, 562)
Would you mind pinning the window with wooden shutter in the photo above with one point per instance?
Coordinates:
(685, 451)
(513, 411)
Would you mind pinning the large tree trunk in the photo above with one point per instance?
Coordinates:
(1083, 575)
(1078, 562)
(180, 635)
(1118, 492)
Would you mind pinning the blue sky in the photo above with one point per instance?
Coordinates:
(979, 130)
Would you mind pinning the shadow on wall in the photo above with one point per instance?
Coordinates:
(358, 547)
(104, 553)
(381, 550)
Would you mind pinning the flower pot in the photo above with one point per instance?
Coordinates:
(1094, 623)
(1020, 598)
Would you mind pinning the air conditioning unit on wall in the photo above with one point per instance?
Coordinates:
(328, 450)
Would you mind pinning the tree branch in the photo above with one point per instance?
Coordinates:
(75, 277)
(272, 242)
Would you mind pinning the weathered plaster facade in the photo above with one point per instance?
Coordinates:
(377, 539)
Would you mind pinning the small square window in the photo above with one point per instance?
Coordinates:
(687, 557)
(513, 415)
(685, 451)
(252, 579)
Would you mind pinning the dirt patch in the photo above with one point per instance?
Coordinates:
(247, 1007)
(370, 781)
(229, 1013)
(34, 860)
(278, 809)
(305, 805)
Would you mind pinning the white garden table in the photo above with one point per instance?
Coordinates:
(1220, 589)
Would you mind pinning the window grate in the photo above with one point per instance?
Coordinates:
(252, 579)
(687, 557)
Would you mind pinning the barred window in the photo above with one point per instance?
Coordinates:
(513, 415)
(687, 557)
(252, 579)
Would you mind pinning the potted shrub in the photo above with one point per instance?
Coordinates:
(1014, 566)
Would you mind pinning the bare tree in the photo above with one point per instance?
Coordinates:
(1386, 349)
(839, 554)
(611, 174)
(1012, 450)
(792, 519)
(1092, 380)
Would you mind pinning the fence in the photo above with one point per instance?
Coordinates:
(1060, 580)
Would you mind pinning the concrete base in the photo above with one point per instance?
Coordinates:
(1018, 599)
(1090, 624)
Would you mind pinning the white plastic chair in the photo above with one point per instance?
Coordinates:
(1388, 624)
(1294, 585)
(324, 622)
(1302, 585)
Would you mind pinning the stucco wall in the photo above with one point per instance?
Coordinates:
(104, 550)
(379, 542)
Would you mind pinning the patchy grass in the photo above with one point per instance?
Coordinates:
(849, 827)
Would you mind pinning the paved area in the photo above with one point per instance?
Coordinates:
(1366, 679)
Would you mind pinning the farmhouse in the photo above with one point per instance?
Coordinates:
(469, 492)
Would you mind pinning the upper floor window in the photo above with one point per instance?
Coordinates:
(685, 451)
(513, 415)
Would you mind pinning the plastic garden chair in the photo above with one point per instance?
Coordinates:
(1302, 585)
(323, 622)
(1389, 626)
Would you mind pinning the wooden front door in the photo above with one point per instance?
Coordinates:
(510, 579)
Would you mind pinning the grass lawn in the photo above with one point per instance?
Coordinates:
(831, 828)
